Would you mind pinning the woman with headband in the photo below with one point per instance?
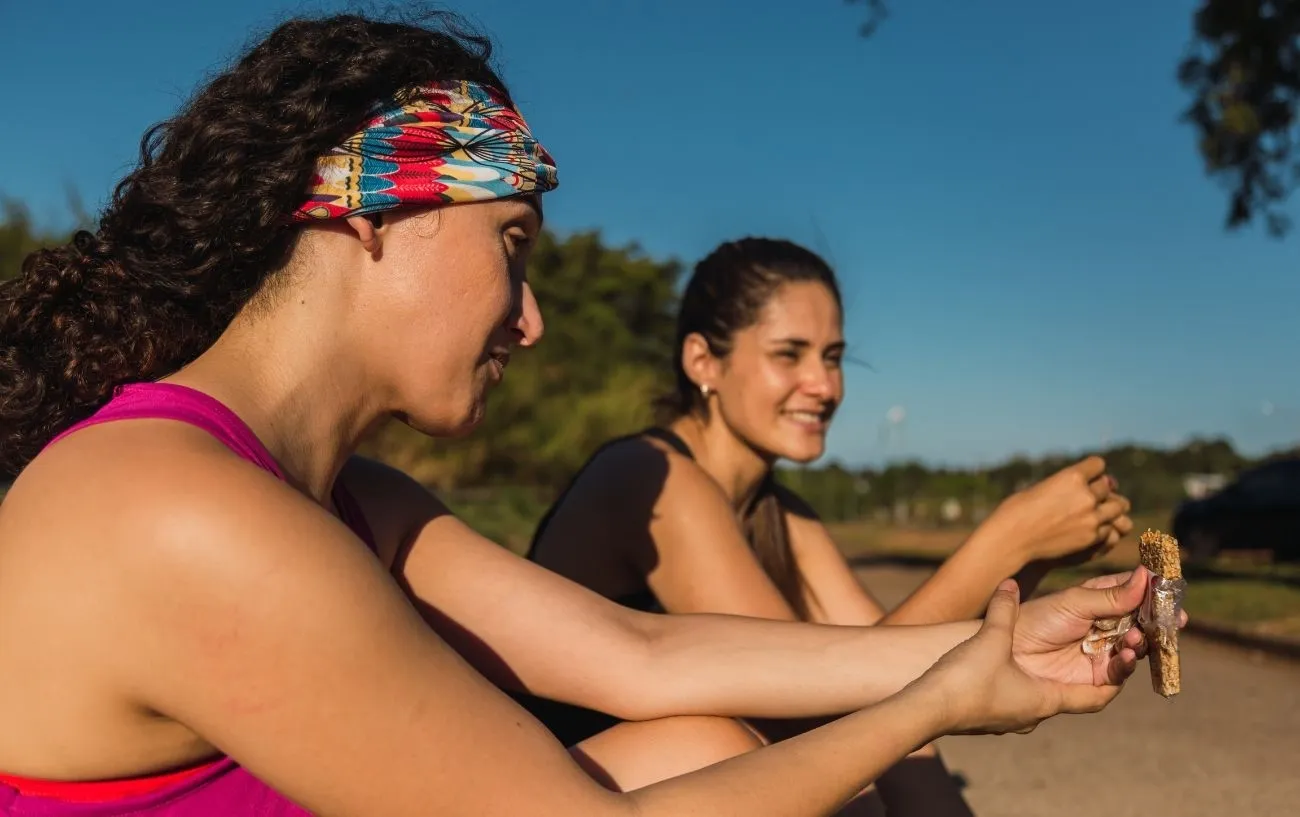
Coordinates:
(688, 517)
(209, 606)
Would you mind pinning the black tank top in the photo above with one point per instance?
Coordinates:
(574, 724)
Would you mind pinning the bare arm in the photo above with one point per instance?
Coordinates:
(276, 637)
(529, 628)
(1068, 518)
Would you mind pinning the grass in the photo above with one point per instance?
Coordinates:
(1231, 591)
(505, 515)
(1255, 603)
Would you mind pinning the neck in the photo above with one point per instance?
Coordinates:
(732, 463)
(294, 385)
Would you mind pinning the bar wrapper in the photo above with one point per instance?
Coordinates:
(1105, 634)
(1159, 613)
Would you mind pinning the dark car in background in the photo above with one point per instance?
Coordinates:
(1260, 511)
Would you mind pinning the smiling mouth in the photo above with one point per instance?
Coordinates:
(812, 420)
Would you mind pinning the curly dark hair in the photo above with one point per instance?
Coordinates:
(193, 232)
(725, 294)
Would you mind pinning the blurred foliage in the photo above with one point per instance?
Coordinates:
(606, 356)
(19, 236)
(1152, 478)
(1243, 71)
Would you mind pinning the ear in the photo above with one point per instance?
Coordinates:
(367, 231)
(699, 362)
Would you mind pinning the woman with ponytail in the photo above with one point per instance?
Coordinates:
(689, 518)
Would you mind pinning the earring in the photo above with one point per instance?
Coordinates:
(705, 391)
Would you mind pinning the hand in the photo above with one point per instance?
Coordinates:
(1047, 640)
(986, 689)
(1069, 518)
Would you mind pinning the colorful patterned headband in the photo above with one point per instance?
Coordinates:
(448, 143)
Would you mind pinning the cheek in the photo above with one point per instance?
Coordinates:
(762, 388)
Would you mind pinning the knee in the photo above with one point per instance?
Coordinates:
(709, 739)
(632, 755)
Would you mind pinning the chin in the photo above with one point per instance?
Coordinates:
(460, 425)
(802, 451)
(805, 456)
(468, 424)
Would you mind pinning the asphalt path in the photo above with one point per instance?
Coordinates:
(1229, 743)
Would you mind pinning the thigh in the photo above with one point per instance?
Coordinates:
(636, 754)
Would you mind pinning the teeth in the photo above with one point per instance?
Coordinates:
(806, 416)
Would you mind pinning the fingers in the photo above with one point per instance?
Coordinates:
(1112, 539)
(1004, 608)
(1108, 596)
(1078, 699)
(1111, 509)
(1138, 645)
(1090, 467)
(1100, 488)
(1121, 666)
(1100, 582)
(1123, 525)
(1105, 533)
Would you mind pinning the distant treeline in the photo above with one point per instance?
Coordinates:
(606, 357)
(1154, 479)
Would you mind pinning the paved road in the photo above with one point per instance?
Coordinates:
(1229, 744)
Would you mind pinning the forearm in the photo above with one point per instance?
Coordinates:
(745, 667)
(813, 774)
(962, 586)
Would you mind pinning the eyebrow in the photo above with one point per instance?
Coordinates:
(803, 343)
(535, 201)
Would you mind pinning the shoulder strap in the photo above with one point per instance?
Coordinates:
(671, 439)
(169, 401)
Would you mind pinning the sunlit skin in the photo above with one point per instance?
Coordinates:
(776, 391)
(162, 601)
(644, 517)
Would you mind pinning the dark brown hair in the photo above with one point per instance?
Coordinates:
(726, 293)
(193, 232)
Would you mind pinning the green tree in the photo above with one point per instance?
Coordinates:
(1243, 72)
(605, 357)
(19, 237)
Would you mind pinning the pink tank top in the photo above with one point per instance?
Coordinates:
(220, 788)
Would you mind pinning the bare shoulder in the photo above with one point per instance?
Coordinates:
(152, 537)
(396, 506)
(159, 493)
(243, 610)
(383, 486)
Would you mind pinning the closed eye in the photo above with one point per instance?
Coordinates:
(518, 239)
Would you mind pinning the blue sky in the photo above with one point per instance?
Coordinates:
(1032, 257)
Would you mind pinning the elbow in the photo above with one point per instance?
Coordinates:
(640, 688)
